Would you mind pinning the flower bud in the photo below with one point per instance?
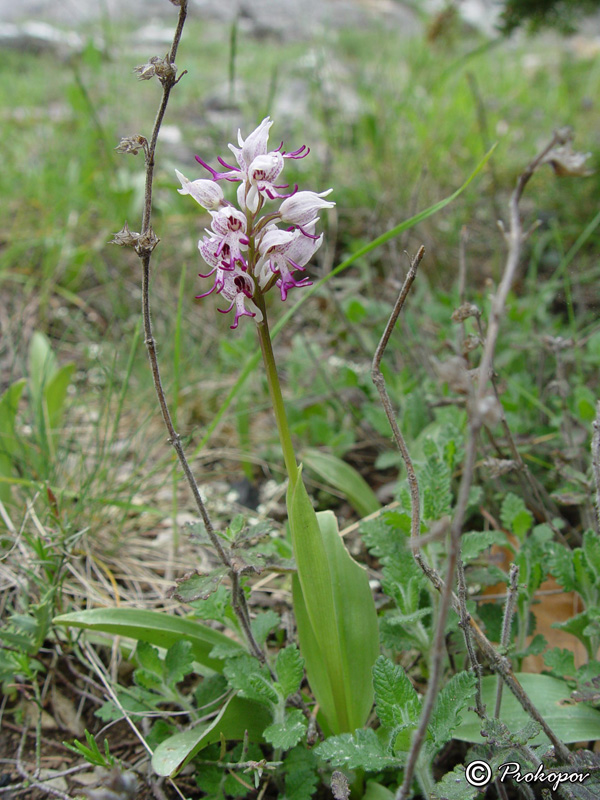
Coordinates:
(208, 193)
(302, 208)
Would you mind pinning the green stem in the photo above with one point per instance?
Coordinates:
(285, 437)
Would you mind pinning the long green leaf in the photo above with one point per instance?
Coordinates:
(344, 478)
(253, 360)
(571, 722)
(42, 366)
(155, 627)
(9, 405)
(55, 394)
(335, 614)
(235, 718)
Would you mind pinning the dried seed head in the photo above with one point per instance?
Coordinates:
(161, 67)
(499, 466)
(132, 144)
(465, 311)
(471, 342)
(567, 162)
(454, 372)
(146, 243)
(557, 343)
(489, 410)
(125, 237)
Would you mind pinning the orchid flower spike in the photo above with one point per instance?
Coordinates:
(245, 249)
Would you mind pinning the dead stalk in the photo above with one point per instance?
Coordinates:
(501, 665)
(145, 253)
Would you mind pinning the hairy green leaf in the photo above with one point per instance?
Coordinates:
(263, 624)
(561, 662)
(199, 586)
(290, 669)
(515, 516)
(450, 702)
(454, 786)
(149, 658)
(396, 701)
(179, 662)
(361, 750)
(472, 544)
(301, 779)
(251, 680)
(288, 733)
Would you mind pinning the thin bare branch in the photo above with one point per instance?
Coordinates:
(509, 612)
(476, 406)
(145, 245)
(596, 463)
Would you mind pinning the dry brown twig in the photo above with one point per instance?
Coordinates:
(478, 406)
(144, 243)
(596, 463)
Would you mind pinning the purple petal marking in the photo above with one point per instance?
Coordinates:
(308, 235)
(225, 164)
(276, 196)
(219, 176)
(200, 296)
(297, 153)
(212, 272)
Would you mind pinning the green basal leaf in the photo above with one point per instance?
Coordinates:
(235, 718)
(335, 614)
(9, 443)
(147, 679)
(41, 367)
(55, 394)
(376, 791)
(289, 668)
(287, 734)
(344, 478)
(155, 627)
(571, 722)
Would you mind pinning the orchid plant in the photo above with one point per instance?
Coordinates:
(249, 254)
